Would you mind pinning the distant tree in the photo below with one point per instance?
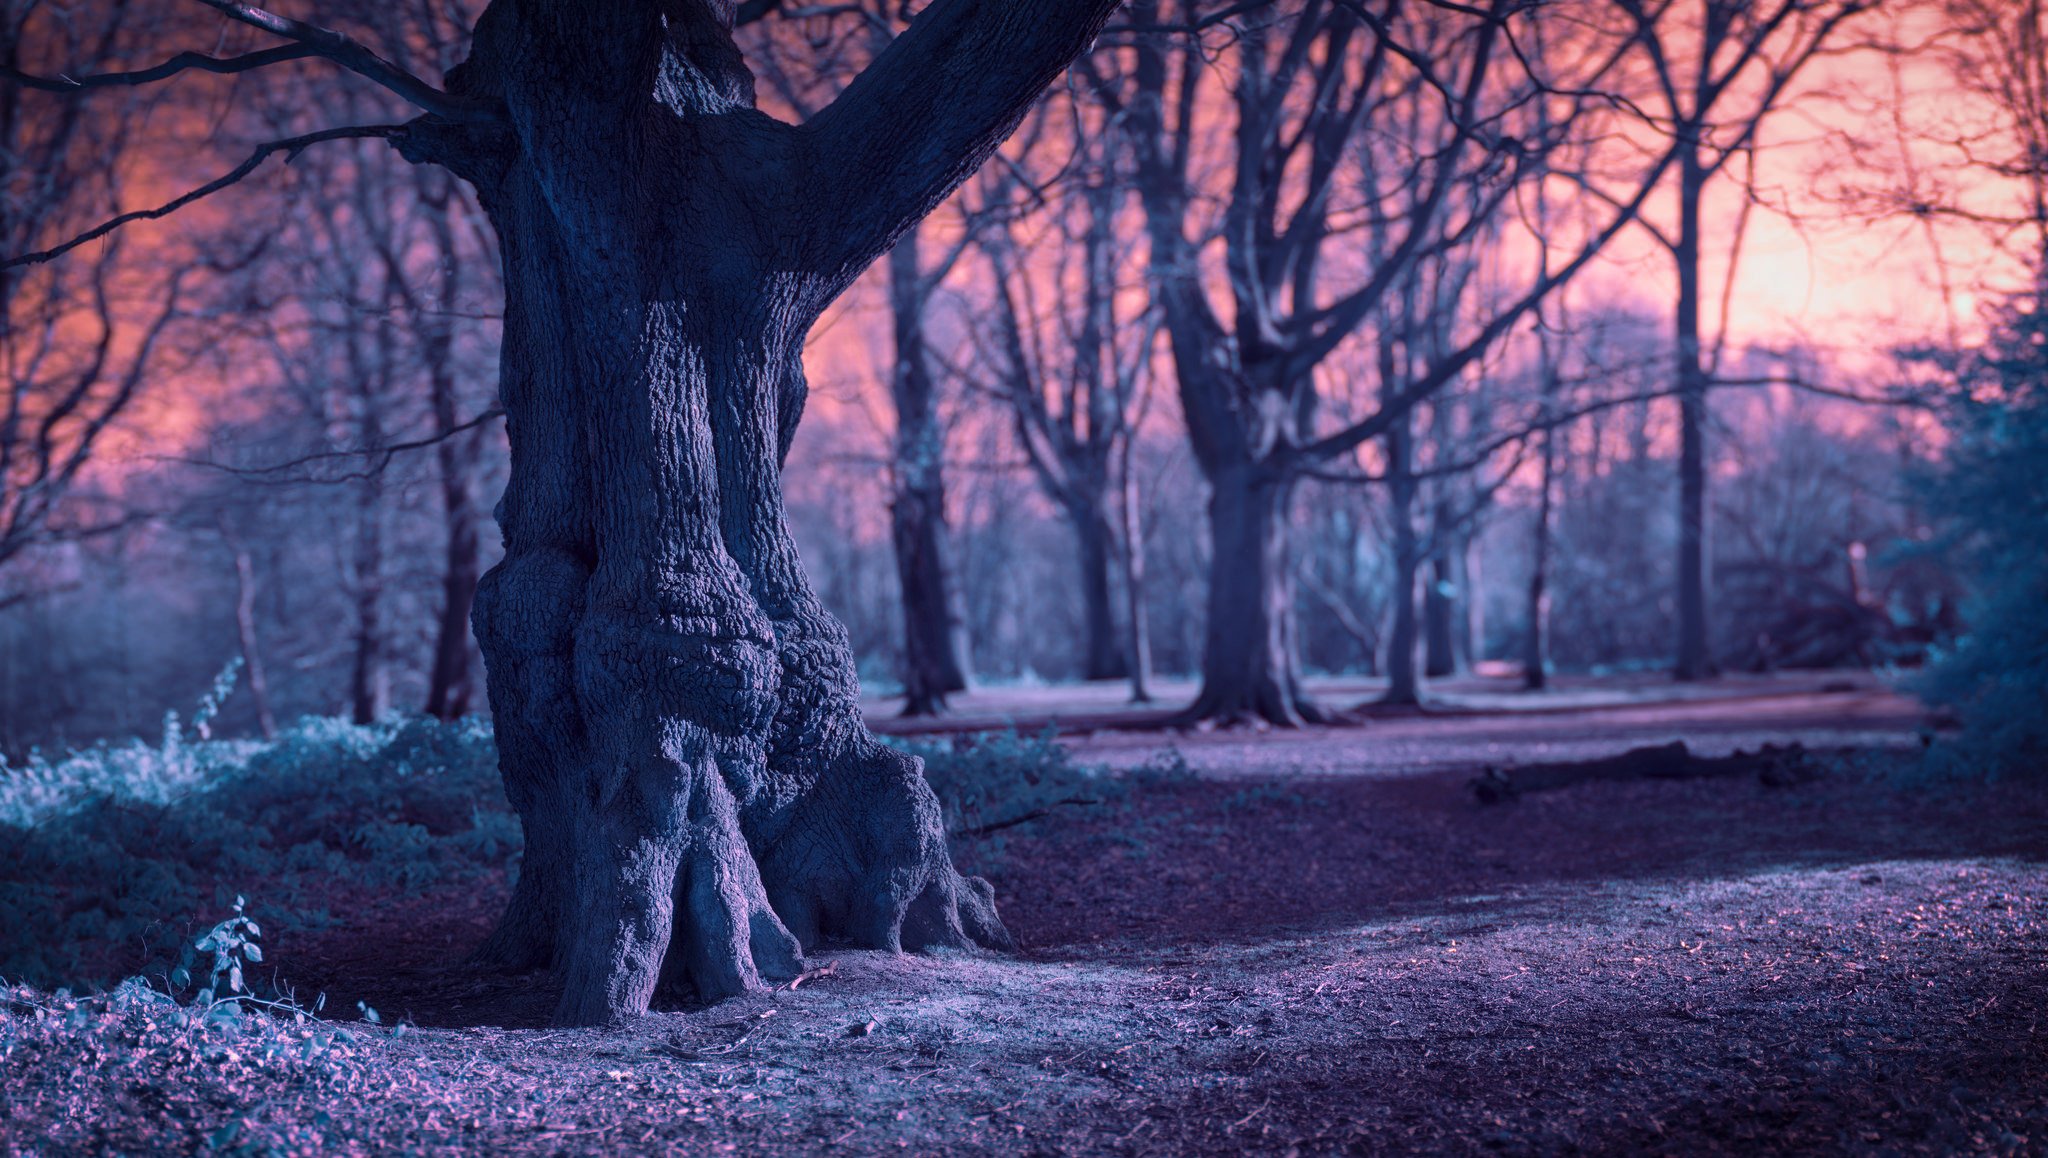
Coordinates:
(1070, 352)
(79, 341)
(1718, 69)
(1314, 91)
(677, 717)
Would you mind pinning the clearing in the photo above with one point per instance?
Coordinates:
(1319, 943)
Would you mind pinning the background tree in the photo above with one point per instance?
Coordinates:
(1720, 69)
(1303, 94)
(1070, 349)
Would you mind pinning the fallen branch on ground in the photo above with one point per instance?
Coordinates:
(1014, 821)
(1775, 767)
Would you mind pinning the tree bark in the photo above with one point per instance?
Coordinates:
(678, 717)
(935, 662)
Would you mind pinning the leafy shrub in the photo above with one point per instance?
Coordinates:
(108, 856)
(989, 778)
(1993, 489)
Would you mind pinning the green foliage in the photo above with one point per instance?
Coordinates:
(232, 944)
(992, 777)
(1992, 489)
(110, 856)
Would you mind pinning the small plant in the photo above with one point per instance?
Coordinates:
(233, 945)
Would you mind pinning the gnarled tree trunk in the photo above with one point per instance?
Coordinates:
(678, 717)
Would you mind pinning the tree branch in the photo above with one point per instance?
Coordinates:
(290, 146)
(926, 113)
(177, 64)
(357, 58)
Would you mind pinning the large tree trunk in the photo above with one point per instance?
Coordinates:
(1248, 670)
(935, 661)
(678, 718)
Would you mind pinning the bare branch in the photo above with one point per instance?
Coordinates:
(177, 64)
(357, 58)
(290, 147)
(382, 455)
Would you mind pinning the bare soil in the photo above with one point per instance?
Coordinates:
(1306, 950)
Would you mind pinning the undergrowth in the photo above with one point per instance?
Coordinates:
(112, 859)
(116, 860)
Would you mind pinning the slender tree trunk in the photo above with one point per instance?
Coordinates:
(1136, 620)
(368, 683)
(1536, 643)
(451, 684)
(1695, 659)
(935, 656)
(1404, 686)
(1104, 658)
(245, 633)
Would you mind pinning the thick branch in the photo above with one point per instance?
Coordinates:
(927, 113)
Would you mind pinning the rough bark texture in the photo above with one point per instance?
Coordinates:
(678, 717)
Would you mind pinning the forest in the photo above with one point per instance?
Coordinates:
(1023, 576)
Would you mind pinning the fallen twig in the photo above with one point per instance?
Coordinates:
(1034, 814)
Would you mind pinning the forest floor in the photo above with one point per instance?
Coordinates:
(1319, 943)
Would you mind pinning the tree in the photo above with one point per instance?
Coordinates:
(1720, 69)
(77, 342)
(1306, 91)
(935, 658)
(678, 717)
(1071, 366)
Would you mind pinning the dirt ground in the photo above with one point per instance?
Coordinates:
(1313, 947)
